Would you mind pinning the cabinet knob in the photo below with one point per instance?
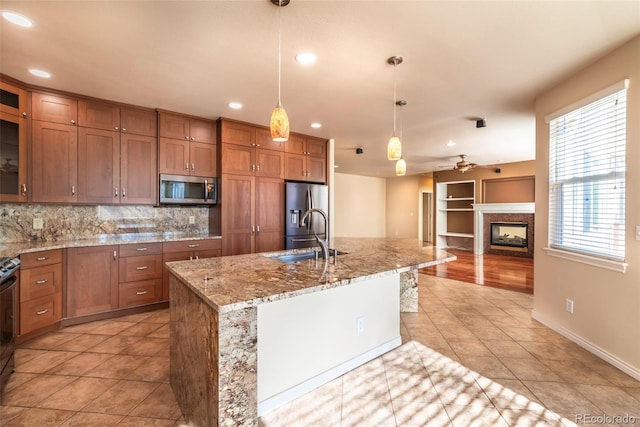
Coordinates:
(24, 114)
(115, 254)
(141, 293)
(73, 122)
(142, 267)
(186, 137)
(116, 191)
(73, 190)
(41, 312)
(41, 258)
(24, 189)
(141, 249)
(186, 166)
(257, 228)
(117, 128)
(193, 139)
(124, 129)
(41, 282)
(193, 167)
(257, 168)
(193, 246)
(124, 193)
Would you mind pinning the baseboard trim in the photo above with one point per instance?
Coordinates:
(601, 353)
(312, 383)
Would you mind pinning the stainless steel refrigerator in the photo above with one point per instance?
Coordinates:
(301, 197)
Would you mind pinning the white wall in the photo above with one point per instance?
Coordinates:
(402, 201)
(303, 337)
(607, 303)
(359, 206)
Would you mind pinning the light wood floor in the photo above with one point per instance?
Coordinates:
(498, 271)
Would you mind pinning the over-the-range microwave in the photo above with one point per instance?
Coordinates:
(188, 190)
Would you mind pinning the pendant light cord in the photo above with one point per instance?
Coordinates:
(279, 49)
(394, 98)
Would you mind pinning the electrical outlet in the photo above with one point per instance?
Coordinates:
(192, 219)
(637, 232)
(360, 325)
(569, 305)
(38, 223)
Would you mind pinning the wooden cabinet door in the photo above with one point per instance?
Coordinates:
(98, 115)
(237, 159)
(316, 169)
(174, 126)
(316, 147)
(295, 144)
(98, 166)
(13, 100)
(92, 280)
(264, 140)
(238, 133)
(269, 163)
(54, 108)
(269, 214)
(238, 209)
(294, 167)
(202, 131)
(54, 162)
(203, 159)
(138, 122)
(174, 156)
(13, 155)
(138, 175)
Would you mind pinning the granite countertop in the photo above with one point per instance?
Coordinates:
(235, 282)
(15, 249)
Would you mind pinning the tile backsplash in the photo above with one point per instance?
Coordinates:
(61, 222)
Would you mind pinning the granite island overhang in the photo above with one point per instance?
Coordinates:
(222, 308)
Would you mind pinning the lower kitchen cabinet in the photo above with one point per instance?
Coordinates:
(140, 275)
(184, 251)
(92, 280)
(40, 290)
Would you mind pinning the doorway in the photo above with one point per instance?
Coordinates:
(426, 220)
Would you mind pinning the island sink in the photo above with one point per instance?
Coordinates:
(301, 256)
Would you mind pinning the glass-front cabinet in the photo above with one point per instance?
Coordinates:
(13, 143)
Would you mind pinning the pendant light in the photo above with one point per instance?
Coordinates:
(401, 165)
(394, 148)
(279, 124)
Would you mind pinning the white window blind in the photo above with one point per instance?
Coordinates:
(587, 178)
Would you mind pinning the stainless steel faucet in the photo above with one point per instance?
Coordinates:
(324, 243)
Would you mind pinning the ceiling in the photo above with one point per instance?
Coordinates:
(462, 61)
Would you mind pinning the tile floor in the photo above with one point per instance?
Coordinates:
(472, 356)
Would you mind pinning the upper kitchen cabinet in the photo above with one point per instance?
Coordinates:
(109, 116)
(54, 162)
(305, 159)
(54, 108)
(116, 168)
(188, 128)
(187, 145)
(248, 150)
(13, 143)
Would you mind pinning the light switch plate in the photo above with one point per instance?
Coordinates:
(38, 223)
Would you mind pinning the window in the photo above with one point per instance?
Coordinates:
(587, 176)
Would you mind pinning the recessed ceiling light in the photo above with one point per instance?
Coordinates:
(39, 73)
(235, 105)
(16, 18)
(316, 125)
(306, 58)
(450, 144)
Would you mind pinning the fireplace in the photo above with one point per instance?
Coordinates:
(509, 235)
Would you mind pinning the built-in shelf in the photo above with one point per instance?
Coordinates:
(454, 213)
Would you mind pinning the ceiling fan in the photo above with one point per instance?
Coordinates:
(463, 164)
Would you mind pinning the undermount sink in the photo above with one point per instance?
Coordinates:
(304, 255)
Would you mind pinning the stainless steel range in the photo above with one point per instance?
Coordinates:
(8, 293)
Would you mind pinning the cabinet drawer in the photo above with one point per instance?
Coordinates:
(140, 268)
(40, 312)
(139, 293)
(40, 281)
(192, 245)
(37, 259)
(140, 249)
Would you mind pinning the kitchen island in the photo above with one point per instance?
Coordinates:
(251, 332)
